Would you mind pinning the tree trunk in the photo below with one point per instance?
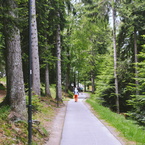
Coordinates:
(93, 82)
(47, 88)
(74, 81)
(58, 47)
(15, 84)
(47, 85)
(35, 53)
(85, 86)
(78, 79)
(67, 83)
(136, 61)
(115, 57)
(67, 78)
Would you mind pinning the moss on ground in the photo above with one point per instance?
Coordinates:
(16, 132)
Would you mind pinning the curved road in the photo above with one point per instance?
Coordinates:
(81, 127)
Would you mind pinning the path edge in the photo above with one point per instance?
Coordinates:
(57, 126)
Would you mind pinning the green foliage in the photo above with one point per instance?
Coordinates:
(4, 111)
(2, 87)
(87, 38)
(86, 48)
(17, 133)
(36, 103)
(130, 12)
(53, 91)
(70, 93)
(105, 81)
(138, 113)
(3, 79)
(138, 101)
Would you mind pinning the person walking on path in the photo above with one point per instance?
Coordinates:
(76, 93)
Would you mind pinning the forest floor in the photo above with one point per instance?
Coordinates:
(52, 122)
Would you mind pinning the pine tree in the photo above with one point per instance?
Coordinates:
(15, 85)
(35, 53)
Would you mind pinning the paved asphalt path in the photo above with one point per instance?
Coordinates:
(81, 127)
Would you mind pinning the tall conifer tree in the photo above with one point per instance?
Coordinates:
(15, 85)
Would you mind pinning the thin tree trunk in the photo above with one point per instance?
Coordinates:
(15, 84)
(93, 83)
(136, 61)
(35, 53)
(78, 79)
(47, 86)
(84, 85)
(58, 47)
(115, 57)
(67, 84)
(74, 79)
(67, 78)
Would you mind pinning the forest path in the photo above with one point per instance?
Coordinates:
(81, 127)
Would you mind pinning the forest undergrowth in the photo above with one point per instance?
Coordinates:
(16, 133)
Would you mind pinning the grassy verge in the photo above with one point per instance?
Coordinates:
(127, 128)
(16, 132)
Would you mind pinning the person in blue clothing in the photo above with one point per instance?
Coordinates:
(76, 94)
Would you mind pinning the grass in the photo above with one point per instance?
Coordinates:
(3, 79)
(16, 132)
(127, 128)
(53, 91)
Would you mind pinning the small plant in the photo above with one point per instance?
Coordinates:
(4, 111)
(70, 94)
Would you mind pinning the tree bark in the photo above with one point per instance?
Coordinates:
(15, 84)
(35, 53)
(85, 86)
(47, 85)
(58, 81)
(115, 57)
(78, 79)
(74, 79)
(47, 88)
(136, 61)
(93, 82)
(67, 83)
